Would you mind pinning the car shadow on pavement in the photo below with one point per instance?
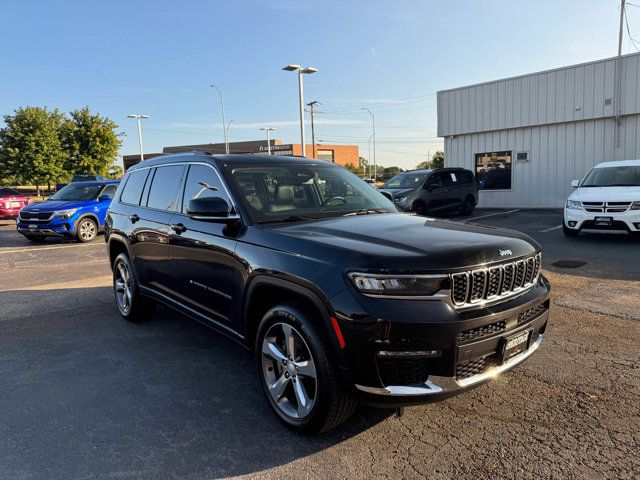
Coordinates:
(87, 394)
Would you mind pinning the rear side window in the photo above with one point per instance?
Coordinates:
(202, 182)
(109, 190)
(134, 185)
(165, 187)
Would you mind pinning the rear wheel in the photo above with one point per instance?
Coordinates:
(468, 205)
(131, 305)
(87, 230)
(569, 232)
(419, 207)
(299, 378)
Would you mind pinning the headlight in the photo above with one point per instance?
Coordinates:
(399, 199)
(400, 285)
(635, 206)
(65, 213)
(574, 205)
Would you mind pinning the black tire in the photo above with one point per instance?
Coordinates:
(87, 230)
(419, 208)
(35, 238)
(468, 206)
(136, 308)
(331, 403)
(569, 232)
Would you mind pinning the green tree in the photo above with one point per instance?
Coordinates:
(436, 161)
(91, 142)
(424, 165)
(30, 148)
(116, 172)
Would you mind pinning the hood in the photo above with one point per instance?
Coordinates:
(398, 192)
(606, 194)
(52, 205)
(408, 242)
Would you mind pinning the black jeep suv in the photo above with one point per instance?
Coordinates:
(340, 297)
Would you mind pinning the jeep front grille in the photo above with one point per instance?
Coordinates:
(495, 282)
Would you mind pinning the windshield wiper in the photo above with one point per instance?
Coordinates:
(365, 211)
(290, 218)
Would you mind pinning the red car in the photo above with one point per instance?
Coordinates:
(11, 201)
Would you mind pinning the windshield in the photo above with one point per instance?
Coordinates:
(77, 191)
(406, 180)
(289, 192)
(613, 177)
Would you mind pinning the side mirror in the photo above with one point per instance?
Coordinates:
(105, 198)
(575, 183)
(212, 209)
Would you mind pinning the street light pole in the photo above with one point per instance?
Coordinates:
(139, 117)
(369, 159)
(268, 130)
(224, 123)
(301, 71)
(313, 112)
(373, 120)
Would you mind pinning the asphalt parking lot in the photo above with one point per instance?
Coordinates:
(86, 395)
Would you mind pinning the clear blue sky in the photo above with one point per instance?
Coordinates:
(159, 58)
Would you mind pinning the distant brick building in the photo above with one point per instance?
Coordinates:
(340, 154)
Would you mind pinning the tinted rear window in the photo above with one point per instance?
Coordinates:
(165, 187)
(133, 188)
(8, 192)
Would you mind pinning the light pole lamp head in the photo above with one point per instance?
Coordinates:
(267, 129)
(291, 68)
(309, 70)
(134, 115)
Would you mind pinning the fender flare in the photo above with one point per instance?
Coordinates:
(303, 288)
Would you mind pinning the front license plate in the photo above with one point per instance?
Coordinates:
(33, 227)
(603, 221)
(515, 344)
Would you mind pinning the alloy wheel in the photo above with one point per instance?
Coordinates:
(123, 288)
(289, 371)
(87, 230)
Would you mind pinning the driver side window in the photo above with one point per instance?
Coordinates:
(202, 182)
(435, 181)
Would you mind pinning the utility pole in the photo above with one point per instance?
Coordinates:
(301, 71)
(375, 166)
(617, 100)
(268, 130)
(312, 111)
(224, 123)
(139, 117)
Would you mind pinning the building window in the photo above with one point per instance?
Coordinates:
(493, 170)
(326, 155)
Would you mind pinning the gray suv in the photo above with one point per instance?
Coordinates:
(434, 192)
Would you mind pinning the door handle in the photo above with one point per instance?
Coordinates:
(134, 218)
(178, 228)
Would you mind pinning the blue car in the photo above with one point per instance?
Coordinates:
(76, 211)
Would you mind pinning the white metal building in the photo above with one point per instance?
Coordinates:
(527, 137)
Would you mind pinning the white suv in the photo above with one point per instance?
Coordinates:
(607, 199)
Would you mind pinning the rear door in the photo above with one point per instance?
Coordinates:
(201, 253)
(455, 190)
(150, 226)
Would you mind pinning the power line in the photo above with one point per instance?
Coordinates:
(634, 42)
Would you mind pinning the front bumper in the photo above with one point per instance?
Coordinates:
(466, 346)
(54, 228)
(628, 221)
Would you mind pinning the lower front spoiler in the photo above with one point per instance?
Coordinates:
(437, 388)
(43, 232)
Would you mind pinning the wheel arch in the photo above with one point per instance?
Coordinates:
(90, 215)
(265, 291)
(116, 246)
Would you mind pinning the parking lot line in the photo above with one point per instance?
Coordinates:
(493, 214)
(557, 227)
(52, 247)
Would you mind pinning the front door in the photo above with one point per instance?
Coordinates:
(201, 254)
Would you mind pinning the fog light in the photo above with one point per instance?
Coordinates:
(414, 354)
(637, 225)
(67, 226)
(572, 223)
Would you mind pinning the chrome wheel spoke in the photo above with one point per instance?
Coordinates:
(277, 388)
(120, 286)
(304, 402)
(289, 341)
(271, 350)
(306, 368)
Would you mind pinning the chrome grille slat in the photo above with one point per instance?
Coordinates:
(606, 207)
(495, 282)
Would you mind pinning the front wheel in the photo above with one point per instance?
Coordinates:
(87, 230)
(298, 377)
(131, 305)
(419, 208)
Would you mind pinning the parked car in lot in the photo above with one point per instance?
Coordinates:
(77, 211)
(608, 198)
(434, 192)
(11, 201)
(340, 297)
(83, 178)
